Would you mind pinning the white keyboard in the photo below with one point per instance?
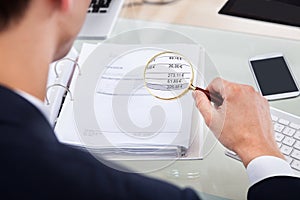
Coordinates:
(287, 135)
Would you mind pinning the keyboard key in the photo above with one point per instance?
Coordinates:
(283, 121)
(99, 6)
(278, 127)
(297, 135)
(295, 126)
(288, 141)
(295, 154)
(289, 131)
(297, 145)
(288, 159)
(106, 3)
(296, 164)
(286, 150)
(278, 137)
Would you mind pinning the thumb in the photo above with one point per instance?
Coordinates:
(204, 106)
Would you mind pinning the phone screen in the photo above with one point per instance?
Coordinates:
(273, 76)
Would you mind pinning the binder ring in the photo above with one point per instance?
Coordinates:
(74, 61)
(60, 85)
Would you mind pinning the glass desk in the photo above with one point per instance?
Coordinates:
(217, 174)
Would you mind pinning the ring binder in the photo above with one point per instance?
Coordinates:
(60, 85)
(102, 134)
(70, 59)
(61, 77)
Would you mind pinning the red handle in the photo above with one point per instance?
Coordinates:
(218, 100)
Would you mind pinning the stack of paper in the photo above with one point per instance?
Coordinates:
(112, 114)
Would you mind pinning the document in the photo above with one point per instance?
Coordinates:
(112, 111)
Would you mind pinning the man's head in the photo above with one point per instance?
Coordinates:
(63, 18)
(34, 33)
(11, 12)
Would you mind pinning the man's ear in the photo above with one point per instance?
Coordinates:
(65, 5)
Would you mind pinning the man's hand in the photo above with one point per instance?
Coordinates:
(242, 123)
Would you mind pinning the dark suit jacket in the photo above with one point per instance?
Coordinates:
(34, 165)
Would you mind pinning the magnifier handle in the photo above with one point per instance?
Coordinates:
(218, 100)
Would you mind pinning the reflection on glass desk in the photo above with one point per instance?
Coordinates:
(217, 175)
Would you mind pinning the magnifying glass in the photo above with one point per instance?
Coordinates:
(169, 75)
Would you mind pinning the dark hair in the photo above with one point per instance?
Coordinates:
(11, 11)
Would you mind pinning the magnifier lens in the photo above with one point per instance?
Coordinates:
(168, 75)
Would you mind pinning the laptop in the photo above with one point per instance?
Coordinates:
(100, 19)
